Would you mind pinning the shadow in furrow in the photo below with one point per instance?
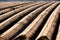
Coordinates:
(24, 26)
(56, 29)
(11, 10)
(22, 29)
(14, 14)
(7, 11)
(8, 17)
(42, 24)
(14, 22)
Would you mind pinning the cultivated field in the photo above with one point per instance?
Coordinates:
(30, 20)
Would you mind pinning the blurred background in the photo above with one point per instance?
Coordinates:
(27, 0)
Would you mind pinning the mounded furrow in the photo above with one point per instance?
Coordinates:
(24, 27)
(24, 21)
(11, 13)
(19, 15)
(31, 29)
(49, 27)
(6, 10)
(11, 21)
(13, 8)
